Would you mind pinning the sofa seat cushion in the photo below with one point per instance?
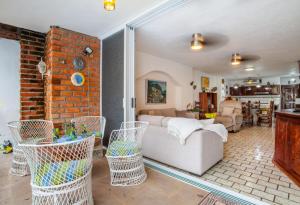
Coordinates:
(227, 121)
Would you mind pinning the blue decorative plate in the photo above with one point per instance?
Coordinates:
(77, 79)
(78, 63)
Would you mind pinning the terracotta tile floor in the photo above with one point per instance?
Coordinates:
(247, 168)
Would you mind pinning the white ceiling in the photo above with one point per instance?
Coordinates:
(86, 16)
(268, 29)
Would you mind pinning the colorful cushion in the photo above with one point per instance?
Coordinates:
(56, 173)
(122, 148)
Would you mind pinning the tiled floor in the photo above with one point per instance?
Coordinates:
(247, 168)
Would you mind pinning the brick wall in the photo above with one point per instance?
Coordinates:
(32, 86)
(63, 100)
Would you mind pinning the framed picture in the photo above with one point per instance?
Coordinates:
(156, 92)
(204, 82)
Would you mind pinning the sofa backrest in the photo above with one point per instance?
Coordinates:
(168, 112)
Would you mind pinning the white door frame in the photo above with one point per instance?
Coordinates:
(129, 27)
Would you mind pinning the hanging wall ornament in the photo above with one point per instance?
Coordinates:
(78, 63)
(42, 67)
(77, 79)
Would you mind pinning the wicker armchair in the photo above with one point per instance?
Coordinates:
(27, 129)
(124, 154)
(60, 173)
(95, 124)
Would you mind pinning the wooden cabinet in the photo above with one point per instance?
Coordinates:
(288, 95)
(208, 102)
(287, 144)
(253, 90)
(235, 91)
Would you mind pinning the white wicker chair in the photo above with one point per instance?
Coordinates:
(33, 129)
(94, 124)
(61, 173)
(124, 155)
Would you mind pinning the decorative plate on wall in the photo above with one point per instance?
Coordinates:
(78, 63)
(77, 79)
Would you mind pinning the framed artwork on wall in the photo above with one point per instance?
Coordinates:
(156, 92)
(204, 82)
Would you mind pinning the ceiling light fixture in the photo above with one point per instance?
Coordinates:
(198, 42)
(236, 86)
(236, 59)
(258, 85)
(109, 5)
(249, 69)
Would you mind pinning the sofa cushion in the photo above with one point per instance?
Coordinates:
(165, 121)
(153, 120)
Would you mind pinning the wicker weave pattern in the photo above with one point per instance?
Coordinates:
(61, 173)
(24, 130)
(124, 155)
(95, 124)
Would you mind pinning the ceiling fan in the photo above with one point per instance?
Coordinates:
(237, 59)
(209, 40)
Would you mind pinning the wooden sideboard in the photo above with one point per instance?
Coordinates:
(287, 144)
(208, 102)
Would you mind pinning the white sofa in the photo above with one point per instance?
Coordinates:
(202, 150)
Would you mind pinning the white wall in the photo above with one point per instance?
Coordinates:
(177, 76)
(9, 85)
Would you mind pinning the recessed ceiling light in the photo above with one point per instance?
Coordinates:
(236, 86)
(198, 42)
(236, 59)
(258, 85)
(109, 5)
(249, 69)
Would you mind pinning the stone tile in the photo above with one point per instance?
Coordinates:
(270, 175)
(250, 179)
(289, 190)
(263, 194)
(251, 195)
(224, 182)
(270, 202)
(242, 188)
(261, 177)
(220, 175)
(277, 193)
(233, 174)
(282, 183)
(209, 177)
(256, 186)
(237, 180)
(284, 201)
(294, 198)
(228, 168)
(268, 184)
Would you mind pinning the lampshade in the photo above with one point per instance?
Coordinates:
(109, 5)
(198, 42)
(236, 59)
